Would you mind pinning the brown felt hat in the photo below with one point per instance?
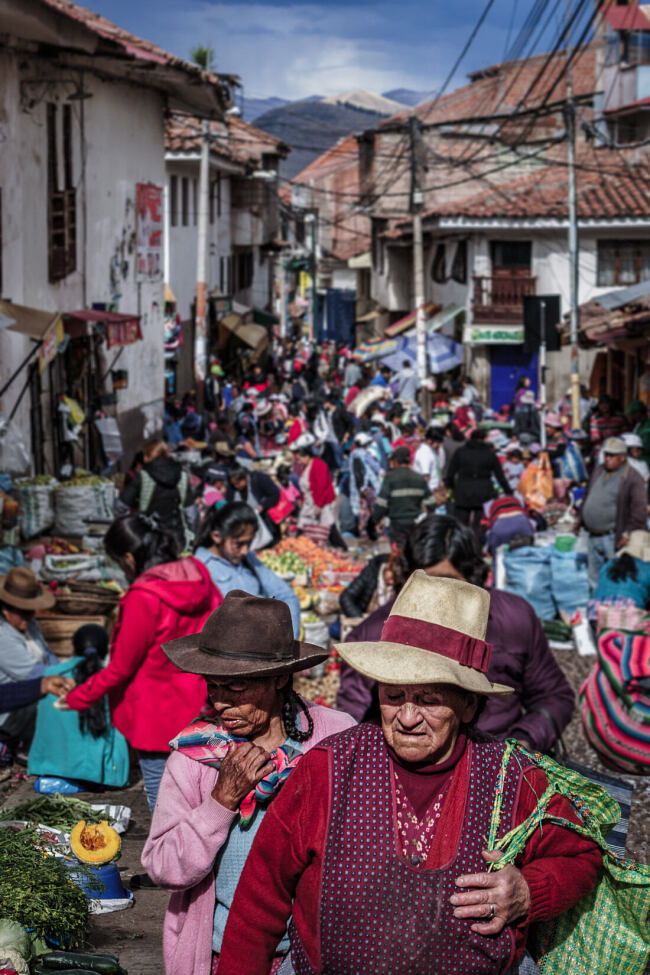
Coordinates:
(247, 636)
(21, 589)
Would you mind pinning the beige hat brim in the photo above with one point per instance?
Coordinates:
(397, 663)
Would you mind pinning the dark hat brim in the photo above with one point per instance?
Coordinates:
(45, 600)
(187, 655)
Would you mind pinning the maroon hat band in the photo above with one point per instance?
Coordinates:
(466, 650)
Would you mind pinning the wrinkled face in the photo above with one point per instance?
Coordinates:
(234, 549)
(613, 462)
(245, 705)
(421, 721)
(18, 618)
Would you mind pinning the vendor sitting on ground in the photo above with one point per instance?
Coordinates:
(223, 545)
(380, 843)
(24, 654)
(628, 575)
(82, 745)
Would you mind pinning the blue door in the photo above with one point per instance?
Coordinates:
(508, 363)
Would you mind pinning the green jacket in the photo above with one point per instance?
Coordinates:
(402, 494)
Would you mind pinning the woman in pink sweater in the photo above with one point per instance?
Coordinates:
(223, 773)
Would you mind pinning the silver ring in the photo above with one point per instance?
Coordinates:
(491, 914)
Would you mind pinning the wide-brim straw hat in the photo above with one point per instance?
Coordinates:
(638, 545)
(21, 589)
(247, 636)
(435, 634)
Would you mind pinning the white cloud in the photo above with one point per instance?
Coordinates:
(297, 51)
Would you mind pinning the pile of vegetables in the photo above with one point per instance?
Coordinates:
(318, 559)
(79, 963)
(39, 480)
(84, 480)
(283, 563)
(37, 892)
(57, 811)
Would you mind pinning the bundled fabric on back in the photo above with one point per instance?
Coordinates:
(528, 574)
(615, 701)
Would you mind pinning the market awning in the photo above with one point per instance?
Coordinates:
(403, 323)
(360, 262)
(265, 318)
(32, 322)
(444, 316)
(255, 336)
(121, 329)
(370, 316)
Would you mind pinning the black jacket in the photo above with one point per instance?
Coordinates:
(342, 423)
(469, 474)
(166, 501)
(355, 598)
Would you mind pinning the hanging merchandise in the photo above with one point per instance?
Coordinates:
(109, 431)
(14, 456)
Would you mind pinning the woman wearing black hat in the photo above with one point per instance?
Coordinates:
(223, 772)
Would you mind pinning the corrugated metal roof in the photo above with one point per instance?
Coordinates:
(623, 296)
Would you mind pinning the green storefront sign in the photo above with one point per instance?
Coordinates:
(494, 334)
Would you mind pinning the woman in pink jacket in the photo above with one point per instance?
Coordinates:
(223, 772)
(168, 597)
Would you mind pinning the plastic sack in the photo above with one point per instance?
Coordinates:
(528, 574)
(75, 506)
(36, 507)
(48, 785)
(569, 580)
(14, 455)
(536, 484)
(10, 555)
(571, 464)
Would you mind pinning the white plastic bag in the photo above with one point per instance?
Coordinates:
(75, 506)
(36, 507)
(14, 455)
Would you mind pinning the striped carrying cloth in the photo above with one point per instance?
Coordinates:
(615, 701)
(607, 932)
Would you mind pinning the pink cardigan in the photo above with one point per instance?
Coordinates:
(188, 830)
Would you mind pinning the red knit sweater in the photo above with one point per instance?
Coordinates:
(285, 864)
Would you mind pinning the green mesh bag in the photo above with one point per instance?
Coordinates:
(608, 931)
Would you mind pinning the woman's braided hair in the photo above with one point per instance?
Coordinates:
(292, 704)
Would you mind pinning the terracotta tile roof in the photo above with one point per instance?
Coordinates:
(134, 46)
(233, 139)
(631, 17)
(609, 186)
(501, 87)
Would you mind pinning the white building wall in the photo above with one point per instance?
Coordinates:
(124, 146)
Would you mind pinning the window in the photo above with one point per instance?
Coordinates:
(245, 270)
(218, 188)
(185, 201)
(510, 254)
(62, 204)
(211, 200)
(377, 244)
(195, 201)
(173, 201)
(623, 262)
(459, 266)
(222, 275)
(635, 47)
(439, 266)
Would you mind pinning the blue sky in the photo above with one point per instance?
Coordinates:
(293, 50)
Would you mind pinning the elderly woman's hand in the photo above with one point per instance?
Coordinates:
(242, 768)
(504, 891)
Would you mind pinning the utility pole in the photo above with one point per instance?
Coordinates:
(574, 251)
(542, 372)
(200, 330)
(415, 205)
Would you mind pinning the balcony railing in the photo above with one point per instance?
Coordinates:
(500, 299)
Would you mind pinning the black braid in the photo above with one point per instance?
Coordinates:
(291, 705)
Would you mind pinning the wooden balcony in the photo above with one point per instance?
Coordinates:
(500, 299)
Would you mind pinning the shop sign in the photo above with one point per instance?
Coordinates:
(122, 333)
(149, 232)
(494, 334)
(50, 344)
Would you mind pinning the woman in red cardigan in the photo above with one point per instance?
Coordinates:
(318, 511)
(386, 867)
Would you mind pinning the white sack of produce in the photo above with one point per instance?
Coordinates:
(82, 500)
(35, 497)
